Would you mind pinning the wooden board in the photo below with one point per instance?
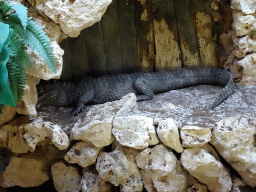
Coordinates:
(201, 17)
(78, 55)
(144, 34)
(95, 49)
(66, 69)
(127, 35)
(188, 41)
(111, 36)
(166, 36)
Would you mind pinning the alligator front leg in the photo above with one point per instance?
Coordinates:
(83, 100)
(146, 93)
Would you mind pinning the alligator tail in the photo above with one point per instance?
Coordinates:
(228, 90)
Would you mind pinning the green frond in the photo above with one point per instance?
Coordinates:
(16, 73)
(17, 45)
(16, 66)
(22, 13)
(6, 96)
(35, 38)
(5, 8)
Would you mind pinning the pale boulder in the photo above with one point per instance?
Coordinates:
(168, 133)
(82, 153)
(206, 169)
(195, 136)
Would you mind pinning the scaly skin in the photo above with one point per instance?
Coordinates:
(144, 85)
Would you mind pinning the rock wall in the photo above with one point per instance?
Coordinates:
(159, 145)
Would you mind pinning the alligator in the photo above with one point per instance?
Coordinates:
(99, 90)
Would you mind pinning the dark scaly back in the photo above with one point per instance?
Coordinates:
(182, 78)
(56, 93)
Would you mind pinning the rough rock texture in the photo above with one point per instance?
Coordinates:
(31, 169)
(52, 30)
(198, 187)
(168, 133)
(160, 170)
(245, 42)
(82, 153)
(92, 182)
(72, 16)
(29, 99)
(135, 131)
(233, 138)
(119, 168)
(249, 69)
(23, 135)
(244, 45)
(96, 125)
(247, 6)
(40, 69)
(186, 109)
(8, 113)
(24, 172)
(38, 131)
(65, 177)
(243, 24)
(194, 136)
(207, 169)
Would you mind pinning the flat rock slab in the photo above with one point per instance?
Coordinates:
(186, 106)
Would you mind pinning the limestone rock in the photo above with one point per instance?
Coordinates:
(168, 133)
(51, 29)
(65, 178)
(28, 103)
(233, 138)
(244, 45)
(8, 113)
(194, 136)
(38, 131)
(40, 69)
(95, 126)
(91, 181)
(249, 69)
(23, 135)
(11, 136)
(206, 169)
(243, 24)
(72, 17)
(160, 170)
(24, 172)
(134, 131)
(82, 153)
(247, 6)
(119, 168)
(198, 187)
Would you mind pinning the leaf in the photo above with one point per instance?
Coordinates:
(5, 92)
(15, 66)
(22, 13)
(35, 38)
(5, 8)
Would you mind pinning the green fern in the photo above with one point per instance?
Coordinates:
(17, 32)
(16, 67)
(35, 38)
(6, 96)
(22, 13)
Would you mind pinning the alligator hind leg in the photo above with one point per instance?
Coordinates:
(146, 93)
(83, 100)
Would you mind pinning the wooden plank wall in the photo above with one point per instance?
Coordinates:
(147, 35)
